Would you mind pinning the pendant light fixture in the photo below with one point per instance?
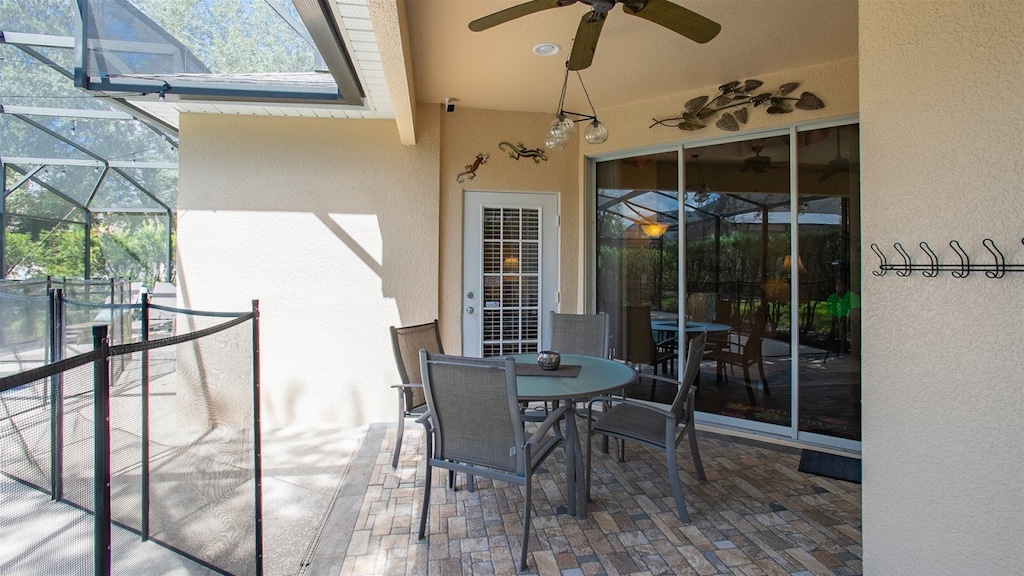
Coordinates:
(564, 124)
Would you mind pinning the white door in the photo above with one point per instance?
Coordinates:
(510, 271)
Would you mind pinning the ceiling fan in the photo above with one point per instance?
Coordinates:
(837, 165)
(757, 163)
(667, 14)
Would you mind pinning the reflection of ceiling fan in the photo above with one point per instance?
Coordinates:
(838, 164)
(671, 16)
(757, 163)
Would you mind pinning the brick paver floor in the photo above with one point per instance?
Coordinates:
(755, 514)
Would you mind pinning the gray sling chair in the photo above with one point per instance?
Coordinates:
(406, 342)
(654, 424)
(584, 334)
(473, 426)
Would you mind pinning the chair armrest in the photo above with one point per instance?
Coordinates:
(671, 340)
(425, 420)
(542, 429)
(644, 404)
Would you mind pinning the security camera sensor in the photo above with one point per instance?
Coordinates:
(449, 105)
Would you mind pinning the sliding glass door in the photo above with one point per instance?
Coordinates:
(767, 266)
(737, 275)
(829, 295)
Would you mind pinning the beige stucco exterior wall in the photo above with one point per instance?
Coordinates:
(629, 126)
(333, 226)
(468, 132)
(942, 159)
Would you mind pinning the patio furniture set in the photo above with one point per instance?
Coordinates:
(480, 415)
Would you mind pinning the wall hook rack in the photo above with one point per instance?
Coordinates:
(996, 269)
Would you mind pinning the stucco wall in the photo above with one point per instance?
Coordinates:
(468, 132)
(942, 148)
(629, 126)
(333, 226)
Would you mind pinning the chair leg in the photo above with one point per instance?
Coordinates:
(426, 500)
(695, 453)
(750, 387)
(590, 448)
(526, 521)
(764, 381)
(673, 479)
(401, 429)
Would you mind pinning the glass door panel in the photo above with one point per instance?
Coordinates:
(829, 240)
(637, 256)
(737, 214)
(511, 274)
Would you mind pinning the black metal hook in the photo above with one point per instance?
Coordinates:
(883, 267)
(933, 260)
(907, 264)
(965, 260)
(1000, 270)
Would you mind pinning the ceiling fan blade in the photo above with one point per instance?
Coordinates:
(515, 12)
(675, 18)
(585, 44)
(827, 175)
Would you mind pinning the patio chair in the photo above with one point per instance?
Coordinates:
(406, 341)
(654, 424)
(743, 353)
(585, 334)
(639, 346)
(473, 426)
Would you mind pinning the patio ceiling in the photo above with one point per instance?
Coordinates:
(422, 51)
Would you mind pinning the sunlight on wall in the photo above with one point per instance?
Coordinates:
(317, 304)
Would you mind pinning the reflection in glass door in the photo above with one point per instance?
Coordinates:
(773, 279)
(738, 276)
(638, 256)
(829, 294)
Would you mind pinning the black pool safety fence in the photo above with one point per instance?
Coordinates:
(151, 439)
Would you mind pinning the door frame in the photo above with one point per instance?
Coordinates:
(473, 203)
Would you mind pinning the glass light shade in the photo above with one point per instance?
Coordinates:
(561, 127)
(596, 132)
(654, 229)
(553, 143)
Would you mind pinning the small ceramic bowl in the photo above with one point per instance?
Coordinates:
(548, 360)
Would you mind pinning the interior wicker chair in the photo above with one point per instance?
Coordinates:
(654, 424)
(473, 426)
(406, 342)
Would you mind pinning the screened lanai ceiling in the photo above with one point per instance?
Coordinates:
(102, 136)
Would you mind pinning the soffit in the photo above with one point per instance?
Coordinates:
(636, 60)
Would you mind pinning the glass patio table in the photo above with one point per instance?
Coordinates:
(596, 376)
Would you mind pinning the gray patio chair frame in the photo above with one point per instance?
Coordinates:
(578, 333)
(473, 425)
(654, 424)
(406, 342)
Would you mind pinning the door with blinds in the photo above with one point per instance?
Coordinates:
(510, 271)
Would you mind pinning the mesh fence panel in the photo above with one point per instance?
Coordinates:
(62, 544)
(201, 464)
(202, 447)
(24, 326)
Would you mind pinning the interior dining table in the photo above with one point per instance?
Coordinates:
(577, 378)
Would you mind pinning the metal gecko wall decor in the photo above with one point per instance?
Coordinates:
(470, 172)
(736, 94)
(516, 152)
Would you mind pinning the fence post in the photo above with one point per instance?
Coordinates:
(56, 394)
(144, 526)
(101, 453)
(258, 453)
